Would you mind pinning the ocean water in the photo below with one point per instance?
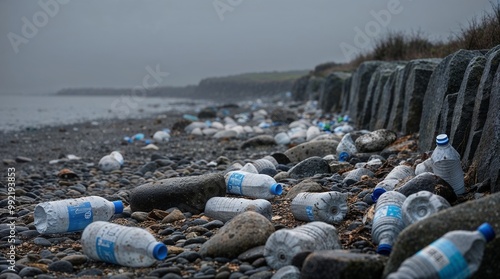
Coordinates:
(19, 112)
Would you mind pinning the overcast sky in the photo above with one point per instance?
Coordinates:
(110, 43)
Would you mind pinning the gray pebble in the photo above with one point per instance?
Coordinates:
(213, 224)
(30, 271)
(223, 275)
(42, 242)
(261, 275)
(90, 272)
(189, 255)
(61, 266)
(171, 276)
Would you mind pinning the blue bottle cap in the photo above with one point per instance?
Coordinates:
(384, 249)
(118, 206)
(377, 193)
(487, 231)
(160, 251)
(442, 139)
(343, 156)
(276, 189)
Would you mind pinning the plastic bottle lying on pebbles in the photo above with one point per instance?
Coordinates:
(346, 148)
(391, 180)
(252, 185)
(117, 244)
(73, 214)
(421, 205)
(225, 208)
(113, 161)
(329, 207)
(457, 254)
(284, 244)
(388, 221)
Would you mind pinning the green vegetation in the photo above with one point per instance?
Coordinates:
(262, 77)
(481, 33)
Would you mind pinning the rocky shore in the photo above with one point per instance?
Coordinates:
(55, 163)
(37, 158)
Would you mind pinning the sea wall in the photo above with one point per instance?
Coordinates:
(458, 95)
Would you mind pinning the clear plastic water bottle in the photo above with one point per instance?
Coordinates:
(110, 163)
(117, 244)
(249, 167)
(446, 164)
(346, 147)
(425, 166)
(388, 221)
(421, 205)
(253, 185)
(261, 164)
(329, 207)
(225, 208)
(391, 180)
(73, 215)
(457, 254)
(282, 138)
(284, 244)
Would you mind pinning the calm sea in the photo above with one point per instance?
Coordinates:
(33, 111)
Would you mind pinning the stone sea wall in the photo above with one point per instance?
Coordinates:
(458, 95)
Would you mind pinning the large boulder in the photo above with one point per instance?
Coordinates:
(466, 216)
(395, 120)
(446, 79)
(386, 101)
(331, 97)
(189, 193)
(464, 106)
(481, 104)
(359, 86)
(245, 231)
(306, 150)
(371, 99)
(346, 89)
(299, 88)
(446, 114)
(342, 264)
(420, 71)
(314, 87)
(486, 163)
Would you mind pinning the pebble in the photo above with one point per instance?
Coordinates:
(30, 272)
(61, 266)
(42, 242)
(76, 259)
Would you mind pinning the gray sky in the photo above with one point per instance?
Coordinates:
(109, 43)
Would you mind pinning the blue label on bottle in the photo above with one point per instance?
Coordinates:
(234, 183)
(393, 211)
(80, 216)
(446, 259)
(105, 250)
(310, 213)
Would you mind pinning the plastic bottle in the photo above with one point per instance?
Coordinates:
(225, 208)
(346, 145)
(284, 244)
(421, 205)
(117, 244)
(447, 165)
(249, 167)
(457, 254)
(261, 164)
(282, 138)
(329, 207)
(73, 214)
(388, 221)
(425, 166)
(253, 185)
(391, 180)
(109, 163)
